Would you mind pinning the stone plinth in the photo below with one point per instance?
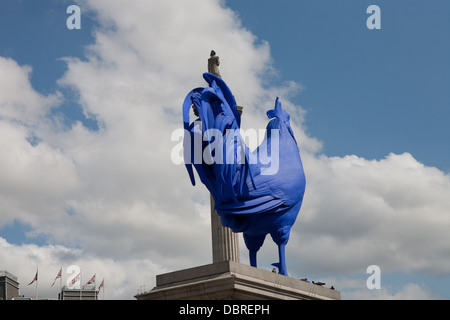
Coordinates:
(231, 280)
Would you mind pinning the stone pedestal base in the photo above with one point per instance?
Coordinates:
(230, 280)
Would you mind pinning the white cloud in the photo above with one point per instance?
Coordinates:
(392, 212)
(115, 194)
(120, 276)
(14, 83)
(34, 176)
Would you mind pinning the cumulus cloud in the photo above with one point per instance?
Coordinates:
(391, 212)
(34, 175)
(120, 277)
(31, 107)
(114, 195)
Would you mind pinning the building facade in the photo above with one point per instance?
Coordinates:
(9, 286)
(88, 293)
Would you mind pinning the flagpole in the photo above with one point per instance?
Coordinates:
(100, 287)
(37, 280)
(60, 282)
(81, 286)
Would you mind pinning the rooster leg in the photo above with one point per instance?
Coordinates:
(253, 243)
(282, 264)
(253, 257)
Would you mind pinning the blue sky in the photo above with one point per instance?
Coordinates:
(367, 92)
(395, 81)
(32, 35)
(382, 96)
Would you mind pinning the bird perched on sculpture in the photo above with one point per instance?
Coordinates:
(256, 192)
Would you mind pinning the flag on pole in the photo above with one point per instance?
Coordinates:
(75, 279)
(57, 277)
(34, 279)
(100, 286)
(91, 281)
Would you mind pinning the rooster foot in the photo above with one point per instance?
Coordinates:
(282, 264)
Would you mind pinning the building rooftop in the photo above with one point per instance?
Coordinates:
(8, 274)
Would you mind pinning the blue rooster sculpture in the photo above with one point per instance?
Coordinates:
(251, 196)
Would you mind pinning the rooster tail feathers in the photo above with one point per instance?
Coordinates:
(217, 109)
(191, 98)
